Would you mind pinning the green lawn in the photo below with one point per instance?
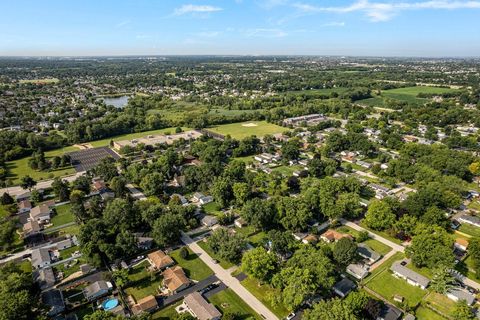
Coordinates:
(228, 301)
(386, 285)
(224, 263)
(213, 208)
(372, 243)
(142, 283)
(470, 230)
(408, 94)
(19, 168)
(423, 313)
(263, 292)
(167, 313)
(73, 266)
(386, 265)
(64, 215)
(423, 271)
(319, 92)
(239, 130)
(194, 267)
(67, 253)
(71, 230)
(287, 170)
(441, 303)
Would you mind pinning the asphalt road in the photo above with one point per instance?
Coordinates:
(229, 280)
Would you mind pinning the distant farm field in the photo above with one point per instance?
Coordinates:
(241, 130)
(39, 81)
(319, 92)
(408, 94)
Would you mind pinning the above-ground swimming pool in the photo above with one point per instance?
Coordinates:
(110, 304)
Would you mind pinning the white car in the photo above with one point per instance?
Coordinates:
(290, 316)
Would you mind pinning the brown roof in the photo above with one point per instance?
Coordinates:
(311, 238)
(40, 210)
(160, 260)
(31, 226)
(462, 242)
(333, 235)
(24, 204)
(174, 278)
(147, 303)
(99, 185)
(201, 308)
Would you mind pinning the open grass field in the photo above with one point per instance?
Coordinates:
(441, 303)
(224, 263)
(64, 215)
(408, 94)
(319, 92)
(194, 268)
(229, 113)
(20, 168)
(263, 292)
(142, 283)
(423, 313)
(240, 130)
(286, 170)
(228, 301)
(386, 285)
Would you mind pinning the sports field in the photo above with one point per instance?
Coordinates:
(40, 81)
(241, 130)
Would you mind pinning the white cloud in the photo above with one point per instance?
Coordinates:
(122, 24)
(191, 8)
(207, 34)
(384, 11)
(265, 33)
(334, 24)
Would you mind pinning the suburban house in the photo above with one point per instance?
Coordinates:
(201, 198)
(310, 239)
(367, 253)
(357, 271)
(147, 304)
(200, 308)
(344, 287)
(144, 243)
(44, 277)
(473, 220)
(99, 186)
(333, 236)
(53, 299)
(41, 214)
(41, 258)
(390, 312)
(240, 223)
(66, 243)
(458, 294)
(96, 290)
(175, 280)
(159, 260)
(209, 221)
(182, 199)
(23, 196)
(30, 228)
(380, 191)
(24, 206)
(409, 275)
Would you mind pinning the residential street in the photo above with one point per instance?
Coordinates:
(229, 280)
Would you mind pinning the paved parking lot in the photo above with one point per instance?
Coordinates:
(87, 159)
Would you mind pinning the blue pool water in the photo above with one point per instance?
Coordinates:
(110, 304)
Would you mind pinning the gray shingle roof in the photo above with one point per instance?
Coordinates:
(409, 274)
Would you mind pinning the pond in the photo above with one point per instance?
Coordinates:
(117, 102)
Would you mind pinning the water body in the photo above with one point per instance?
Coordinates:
(117, 102)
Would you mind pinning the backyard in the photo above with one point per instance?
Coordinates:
(141, 282)
(63, 215)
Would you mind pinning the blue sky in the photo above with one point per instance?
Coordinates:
(263, 27)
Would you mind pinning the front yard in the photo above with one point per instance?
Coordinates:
(224, 263)
(228, 301)
(194, 267)
(263, 293)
